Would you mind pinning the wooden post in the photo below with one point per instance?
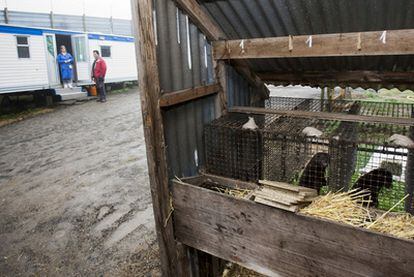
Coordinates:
(173, 256)
(409, 174)
(322, 99)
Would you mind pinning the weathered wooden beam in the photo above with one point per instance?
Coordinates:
(343, 77)
(398, 42)
(201, 19)
(325, 115)
(279, 243)
(173, 256)
(181, 96)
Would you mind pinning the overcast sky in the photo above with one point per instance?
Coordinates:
(102, 8)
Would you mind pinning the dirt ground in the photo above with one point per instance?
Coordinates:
(74, 193)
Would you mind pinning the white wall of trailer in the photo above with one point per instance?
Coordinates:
(122, 63)
(20, 74)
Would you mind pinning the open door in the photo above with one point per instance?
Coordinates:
(81, 55)
(51, 55)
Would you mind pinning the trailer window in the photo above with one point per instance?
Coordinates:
(106, 51)
(23, 51)
(80, 49)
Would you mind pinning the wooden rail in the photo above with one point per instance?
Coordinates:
(397, 42)
(326, 116)
(181, 96)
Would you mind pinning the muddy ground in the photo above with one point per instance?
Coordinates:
(74, 193)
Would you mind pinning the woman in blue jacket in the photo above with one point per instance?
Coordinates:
(65, 61)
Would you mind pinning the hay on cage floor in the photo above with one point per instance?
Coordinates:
(351, 208)
(345, 207)
(399, 225)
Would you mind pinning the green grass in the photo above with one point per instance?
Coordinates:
(23, 114)
(386, 95)
(389, 197)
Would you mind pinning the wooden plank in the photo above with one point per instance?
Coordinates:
(346, 77)
(173, 259)
(325, 115)
(279, 205)
(272, 241)
(181, 96)
(399, 42)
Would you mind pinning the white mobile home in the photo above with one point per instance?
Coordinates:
(28, 57)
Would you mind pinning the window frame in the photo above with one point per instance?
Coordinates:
(110, 51)
(23, 45)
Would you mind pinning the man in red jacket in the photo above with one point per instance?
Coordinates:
(98, 75)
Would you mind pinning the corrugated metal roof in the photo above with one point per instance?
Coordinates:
(271, 18)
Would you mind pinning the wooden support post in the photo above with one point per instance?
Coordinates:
(322, 98)
(409, 175)
(173, 256)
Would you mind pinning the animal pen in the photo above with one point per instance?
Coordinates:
(203, 66)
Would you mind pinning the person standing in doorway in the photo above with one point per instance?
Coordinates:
(65, 61)
(98, 75)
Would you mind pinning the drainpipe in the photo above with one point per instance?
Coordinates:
(52, 25)
(6, 15)
(84, 22)
(111, 21)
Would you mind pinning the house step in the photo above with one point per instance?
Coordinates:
(74, 93)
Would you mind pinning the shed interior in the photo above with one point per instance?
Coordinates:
(203, 68)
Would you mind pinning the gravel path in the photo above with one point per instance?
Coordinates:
(74, 193)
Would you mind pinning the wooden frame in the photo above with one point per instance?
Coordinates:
(181, 96)
(398, 42)
(272, 241)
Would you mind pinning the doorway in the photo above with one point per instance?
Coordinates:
(66, 40)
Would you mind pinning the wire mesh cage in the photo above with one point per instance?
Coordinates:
(232, 151)
(327, 155)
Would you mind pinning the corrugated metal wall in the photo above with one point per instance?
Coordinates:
(95, 23)
(238, 90)
(2, 18)
(41, 20)
(185, 61)
(70, 22)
